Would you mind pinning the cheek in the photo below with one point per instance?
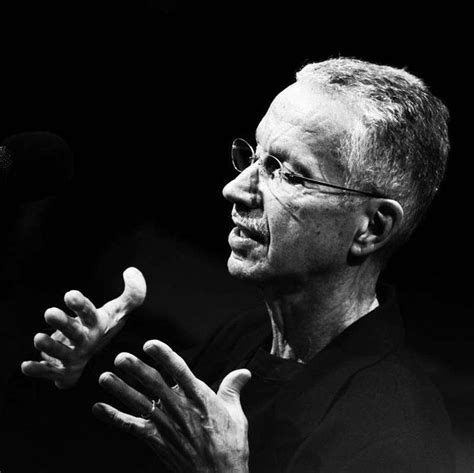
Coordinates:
(310, 236)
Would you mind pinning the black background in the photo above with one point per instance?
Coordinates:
(149, 96)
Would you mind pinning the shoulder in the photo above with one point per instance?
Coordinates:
(392, 413)
(386, 417)
(397, 387)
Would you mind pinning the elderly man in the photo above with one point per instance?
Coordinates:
(347, 160)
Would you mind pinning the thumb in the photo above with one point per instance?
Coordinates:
(132, 296)
(232, 384)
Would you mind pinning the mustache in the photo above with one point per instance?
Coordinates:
(254, 224)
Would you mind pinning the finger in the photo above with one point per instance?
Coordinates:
(232, 385)
(177, 368)
(141, 405)
(81, 306)
(69, 326)
(130, 397)
(132, 296)
(52, 347)
(150, 381)
(170, 454)
(41, 369)
(147, 378)
(126, 422)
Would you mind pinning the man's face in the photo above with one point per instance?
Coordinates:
(287, 232)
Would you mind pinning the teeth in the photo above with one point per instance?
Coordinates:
(249, 233)
(244, 233)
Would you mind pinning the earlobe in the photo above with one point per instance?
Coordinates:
(381, 223)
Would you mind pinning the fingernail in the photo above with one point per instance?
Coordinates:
(98, 409)
(123, 358)
(105, 377)
(150, 344)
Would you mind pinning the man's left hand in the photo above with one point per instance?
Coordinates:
(190, 427)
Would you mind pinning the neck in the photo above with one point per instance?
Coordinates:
(307, 318)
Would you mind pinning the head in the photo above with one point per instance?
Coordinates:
(354, 124)
(401, 147)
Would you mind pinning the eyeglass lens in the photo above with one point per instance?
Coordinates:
(243, 156)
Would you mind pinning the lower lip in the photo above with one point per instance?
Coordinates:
(237, 240)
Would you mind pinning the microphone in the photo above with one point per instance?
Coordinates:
(33, 165)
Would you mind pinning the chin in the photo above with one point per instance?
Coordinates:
(238, 268)
(264, 275)
(246, 270)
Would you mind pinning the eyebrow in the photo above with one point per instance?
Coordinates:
(284, 156)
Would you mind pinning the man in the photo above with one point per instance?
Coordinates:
(347, 160)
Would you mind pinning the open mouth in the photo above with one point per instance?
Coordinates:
(248, 233)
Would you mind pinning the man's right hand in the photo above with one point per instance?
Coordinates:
(67, 351)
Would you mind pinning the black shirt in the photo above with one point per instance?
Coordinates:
(360, 405)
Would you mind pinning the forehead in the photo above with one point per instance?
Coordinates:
(305, 122)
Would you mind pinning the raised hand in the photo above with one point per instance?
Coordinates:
(66, 352)
(190, 427)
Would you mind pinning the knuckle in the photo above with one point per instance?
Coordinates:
(119, 422)
(77, 330)
(129, 427)
(180, 369)
(165, 352)
(126, 426)
(150, 432)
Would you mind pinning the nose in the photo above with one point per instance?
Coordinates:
(244, 188)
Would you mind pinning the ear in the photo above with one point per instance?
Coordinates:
(379, 223)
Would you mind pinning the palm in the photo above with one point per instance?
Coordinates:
(66, 352)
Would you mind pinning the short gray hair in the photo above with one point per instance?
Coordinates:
(402, 147)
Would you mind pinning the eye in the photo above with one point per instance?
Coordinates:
(291, 176)
(294, 178)
(271, 165)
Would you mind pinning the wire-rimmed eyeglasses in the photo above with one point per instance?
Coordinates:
(243, 155)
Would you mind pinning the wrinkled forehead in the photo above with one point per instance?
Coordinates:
(304, 115)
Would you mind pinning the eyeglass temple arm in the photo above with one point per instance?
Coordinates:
(295, 178)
